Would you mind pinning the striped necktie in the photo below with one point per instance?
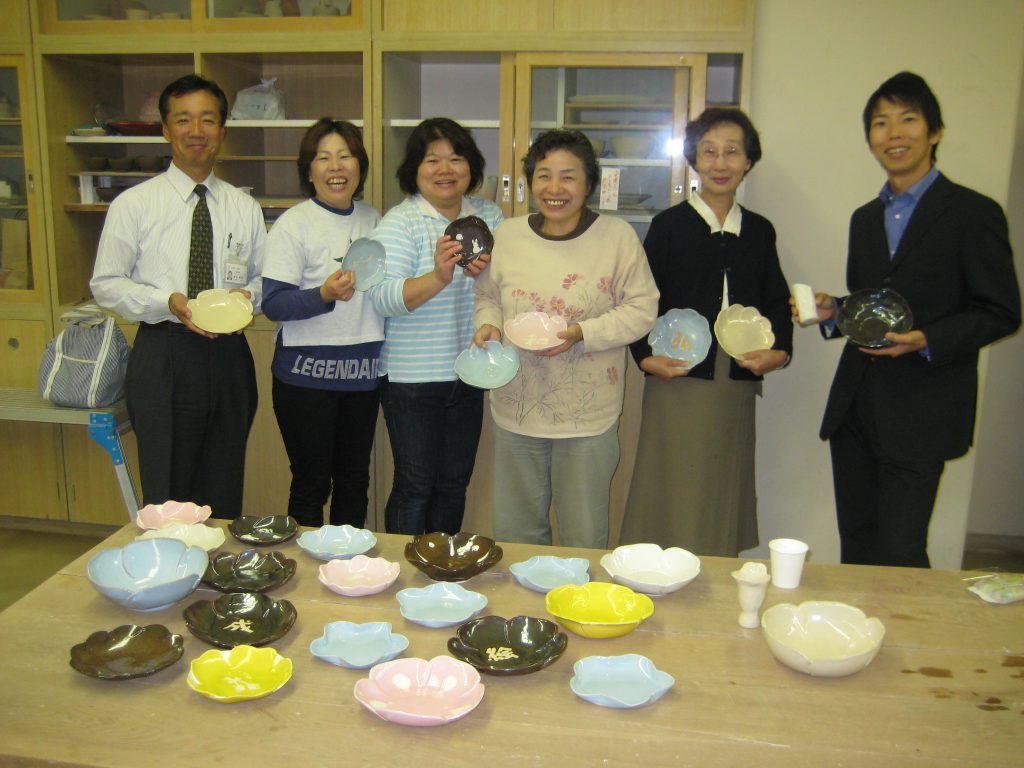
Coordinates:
(200, 254)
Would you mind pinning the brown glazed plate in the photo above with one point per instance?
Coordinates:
(127, 652)
(248, 571)
(240, 618)
(447, 557)
(515, 646)
(475, 236)
(272, 529)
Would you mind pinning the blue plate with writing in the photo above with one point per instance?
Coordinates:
(365, 257)
(682, 334)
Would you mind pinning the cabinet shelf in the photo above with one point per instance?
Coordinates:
(471, 124)
(14, 121)
(635, 162)
(299, 123)
(115, 140)
(266, 203)
(606, 106)
(647, 127)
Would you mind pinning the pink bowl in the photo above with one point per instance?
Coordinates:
(420, 692)
(155, 516)
(359, 576)
(535, 331)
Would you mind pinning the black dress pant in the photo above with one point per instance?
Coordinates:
(883, 502)
(191, 401)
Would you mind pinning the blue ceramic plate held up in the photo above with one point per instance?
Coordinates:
(682, 334)
(487, 368)
(365, 257)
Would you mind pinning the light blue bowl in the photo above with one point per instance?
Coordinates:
(682, 334)
(337, 542)
(148, 575)
(542, 573)
(358, 646)
(619, 682)
(487, 368)
(365, 257)
(440, 605)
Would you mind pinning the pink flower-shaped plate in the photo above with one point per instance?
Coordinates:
(421, 692)
(156, 516)
(535, 331)
(359, 576)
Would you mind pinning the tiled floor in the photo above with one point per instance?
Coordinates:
(28, 558)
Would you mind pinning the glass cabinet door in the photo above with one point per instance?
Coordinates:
(18, 263)
(634, 110)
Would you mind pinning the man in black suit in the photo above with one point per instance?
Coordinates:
(896, 414)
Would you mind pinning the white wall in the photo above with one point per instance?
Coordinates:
(815, 64)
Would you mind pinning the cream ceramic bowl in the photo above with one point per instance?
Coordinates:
(632, 146)
(220, 311)
(650, 569)
(822, 638)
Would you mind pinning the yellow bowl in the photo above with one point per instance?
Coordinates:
(242, 673)
(598, 609)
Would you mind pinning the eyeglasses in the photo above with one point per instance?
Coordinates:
(731, 154)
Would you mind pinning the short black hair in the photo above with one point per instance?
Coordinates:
(571, 141)
(183, 86)
(714, 116)
(436, 129)
(908, 90)
(311, 142)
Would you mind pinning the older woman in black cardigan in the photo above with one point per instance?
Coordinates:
(693, 482)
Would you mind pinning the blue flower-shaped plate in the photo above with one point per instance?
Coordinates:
(366, 258)
(440, 605)
(619, 682)
(487, 368)
(542, 573)
(358, 646)
(682, 334)
(337, 542)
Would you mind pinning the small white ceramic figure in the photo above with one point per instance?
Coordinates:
(752, 583)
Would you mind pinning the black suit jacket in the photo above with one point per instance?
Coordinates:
(954, 266)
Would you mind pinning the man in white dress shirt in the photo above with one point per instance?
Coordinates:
(191, 394)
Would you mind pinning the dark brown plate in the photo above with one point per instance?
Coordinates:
(248, 571)
(500, 646)
(240, 618)
(445, 557)
(272, 529)
(473, 233)
(136, 127)
(126, 652)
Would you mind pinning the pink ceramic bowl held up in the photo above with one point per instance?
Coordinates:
(535, 331)
(359, 576)
(420, 692)
(156, 516)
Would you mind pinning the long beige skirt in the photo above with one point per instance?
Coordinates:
(693, 482)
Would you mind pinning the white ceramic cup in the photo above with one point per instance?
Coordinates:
(787, 562)
(807, 310)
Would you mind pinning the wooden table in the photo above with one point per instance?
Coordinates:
(947, 688)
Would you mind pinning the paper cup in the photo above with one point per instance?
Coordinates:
(807, 310)
(787, 562)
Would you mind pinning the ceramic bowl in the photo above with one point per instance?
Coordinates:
(127, 652)
(682, 334)
(447, 557)
(440, 605)
(488, 368)
(864, 317)
(220, 311)
(358, 646)
(240, 618)
(535, 331)
(149, 163)
(153, 516)
(822, 638)
(191, 534)
(474, 235)
(359, 576)
(650, 569)
(337, 542)
(239, 674)
(619, 682)
(742, 329)
(515, 646)
(248, 571)
(542, 573)
(633, 146)
(272, 529)
(147, 575)
(366, 258)
(421, 692)
(107, 194)
(598, 609)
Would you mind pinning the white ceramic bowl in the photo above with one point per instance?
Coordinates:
(358, 576)
(822, 638)
(220, 311)
(191, 534)
(632, 146)
(742, 329)
(650, 569)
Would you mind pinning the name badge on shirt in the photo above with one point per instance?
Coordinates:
(236, 265)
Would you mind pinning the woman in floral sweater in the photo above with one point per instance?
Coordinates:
(557, 421)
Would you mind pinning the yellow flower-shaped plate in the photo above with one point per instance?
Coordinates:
(598, 609)
(239, 674)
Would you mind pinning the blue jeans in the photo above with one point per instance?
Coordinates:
(434, 430)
